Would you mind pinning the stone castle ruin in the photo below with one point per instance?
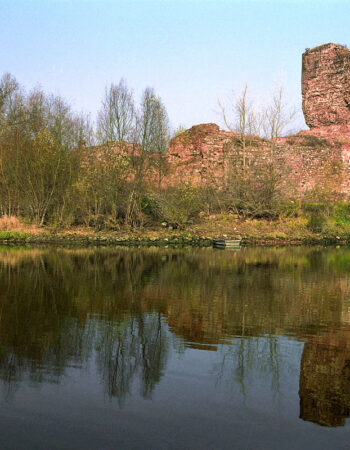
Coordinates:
(309, 159)
(326, 85)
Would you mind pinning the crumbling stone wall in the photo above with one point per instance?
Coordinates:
(319, 157)
(197, 155)
(204, 153)
(326, 85)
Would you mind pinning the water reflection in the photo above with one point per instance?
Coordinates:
(137, 346)
(123, 313)
(325, 379)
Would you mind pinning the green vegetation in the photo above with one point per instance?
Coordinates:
(309, 141)
(59, 171)
(52, 175)
(13, 235)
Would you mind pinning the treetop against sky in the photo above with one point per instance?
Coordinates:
(192, 52)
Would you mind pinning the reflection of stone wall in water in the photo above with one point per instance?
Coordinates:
(325, 381)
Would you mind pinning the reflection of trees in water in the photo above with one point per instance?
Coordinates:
(36, 334)
(45, 356)
(117, 356)
(57, 307)
(249, 358)
(136, 346)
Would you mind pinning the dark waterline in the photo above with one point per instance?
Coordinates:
(160, 348)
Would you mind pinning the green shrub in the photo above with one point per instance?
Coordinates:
(314, 141)
(316, 213)
(13, 235)
(316, 223)
(289, 208)
(178, 204)
(342, 213)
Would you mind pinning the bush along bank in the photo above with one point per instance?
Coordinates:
(175, 240)
(77, 239)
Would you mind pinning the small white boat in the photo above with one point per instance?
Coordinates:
(227, 243)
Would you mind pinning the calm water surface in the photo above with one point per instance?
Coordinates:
(161, 348)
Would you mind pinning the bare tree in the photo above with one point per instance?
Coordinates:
(251, 185)
(278, 116)
(161, 137)
(270, 122)
(150, 137)
(116, 118)
(9, 89)
(48, 174)
(38, 161)
(243, 120)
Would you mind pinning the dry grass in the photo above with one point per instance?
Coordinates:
(9, 223)
(215, 226)
(13, 223)
(257, 228)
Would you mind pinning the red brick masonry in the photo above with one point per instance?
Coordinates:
(326, 85)
(316, 157)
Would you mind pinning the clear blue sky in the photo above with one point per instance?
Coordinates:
(192, 52)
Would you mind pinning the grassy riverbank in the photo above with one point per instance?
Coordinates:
(288, 231)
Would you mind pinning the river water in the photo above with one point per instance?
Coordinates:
(166, 348)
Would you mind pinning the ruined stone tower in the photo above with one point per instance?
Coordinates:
(312, 159)
(326, 85)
